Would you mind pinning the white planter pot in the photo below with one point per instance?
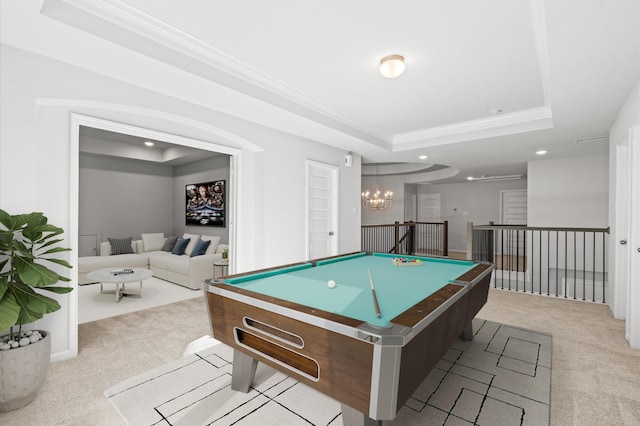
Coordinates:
(22, 372)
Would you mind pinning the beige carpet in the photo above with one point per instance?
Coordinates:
(595, 381)
(501, 377)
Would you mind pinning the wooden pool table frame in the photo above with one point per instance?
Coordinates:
(371, 371)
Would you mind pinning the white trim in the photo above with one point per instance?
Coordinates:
(539, 26)
(151, 134)
(138, 23)
(77, 120)
(74, 181)
(150, 32)
(515, 122)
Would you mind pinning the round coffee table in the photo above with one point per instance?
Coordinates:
(120, 277)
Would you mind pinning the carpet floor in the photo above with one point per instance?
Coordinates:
(501, 377)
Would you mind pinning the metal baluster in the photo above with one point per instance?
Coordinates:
(584, 265)
(603, 267)
(557, 247)
(540, 264)
(575, 264)
(593, 290)
(565, 264)
(517, 257)
(548, 262)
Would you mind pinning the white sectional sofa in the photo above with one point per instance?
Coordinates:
(181, 269)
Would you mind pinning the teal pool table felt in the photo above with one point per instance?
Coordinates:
(397, 287)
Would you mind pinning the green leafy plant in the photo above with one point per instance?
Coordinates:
(27, 242)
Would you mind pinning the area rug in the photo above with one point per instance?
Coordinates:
(501, 377)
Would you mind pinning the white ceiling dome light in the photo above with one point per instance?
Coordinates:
(392, 66)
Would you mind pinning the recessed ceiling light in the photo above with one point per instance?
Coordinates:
(149, 143)
(541, 152)
(469, 177)
(423, 157)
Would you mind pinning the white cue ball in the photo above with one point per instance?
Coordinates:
(331, 283)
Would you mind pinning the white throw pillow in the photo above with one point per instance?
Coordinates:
(153, 242)
(212, 245)
(192, 244)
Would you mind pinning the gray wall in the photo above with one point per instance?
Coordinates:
(124, 198)
(477, 202)
(216, 168)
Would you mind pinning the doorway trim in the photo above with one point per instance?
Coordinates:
(78, 120)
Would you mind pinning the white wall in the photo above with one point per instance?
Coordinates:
(280, 197)
(477, 202)
(569, 192)
(40, 94)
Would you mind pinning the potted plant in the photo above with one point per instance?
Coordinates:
(27, 244)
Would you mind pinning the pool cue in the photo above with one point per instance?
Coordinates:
(373, 292)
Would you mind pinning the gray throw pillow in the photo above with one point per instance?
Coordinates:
(200, 248)
(181, 244)
(169, 243)
(121, 245)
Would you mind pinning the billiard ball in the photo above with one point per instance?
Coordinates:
(331, 283)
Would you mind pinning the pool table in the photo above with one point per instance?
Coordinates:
(368, 341)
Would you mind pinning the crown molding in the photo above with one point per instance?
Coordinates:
(515, 122)
(118, 21)
(79, 105)
(150, 28)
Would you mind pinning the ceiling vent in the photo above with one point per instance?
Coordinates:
(594, 139)
(494, 178)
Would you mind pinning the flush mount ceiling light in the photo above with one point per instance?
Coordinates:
(149, 143)
(392, 66)
(541, 152)
(423, 157)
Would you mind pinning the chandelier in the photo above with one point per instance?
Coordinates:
(376, 200)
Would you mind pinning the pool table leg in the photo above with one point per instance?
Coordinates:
(351, 417)
(467, 334)
(243, 371)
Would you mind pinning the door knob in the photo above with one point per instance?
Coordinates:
(331, 233)
(623, 242)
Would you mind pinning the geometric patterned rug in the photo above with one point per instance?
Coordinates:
(501, 377)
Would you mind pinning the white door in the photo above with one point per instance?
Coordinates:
(322, 210)
(410, 207)
(429, 208)
(513, 211)
(633, 292)
(513, 207)
(621, 234)
(428, 211)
